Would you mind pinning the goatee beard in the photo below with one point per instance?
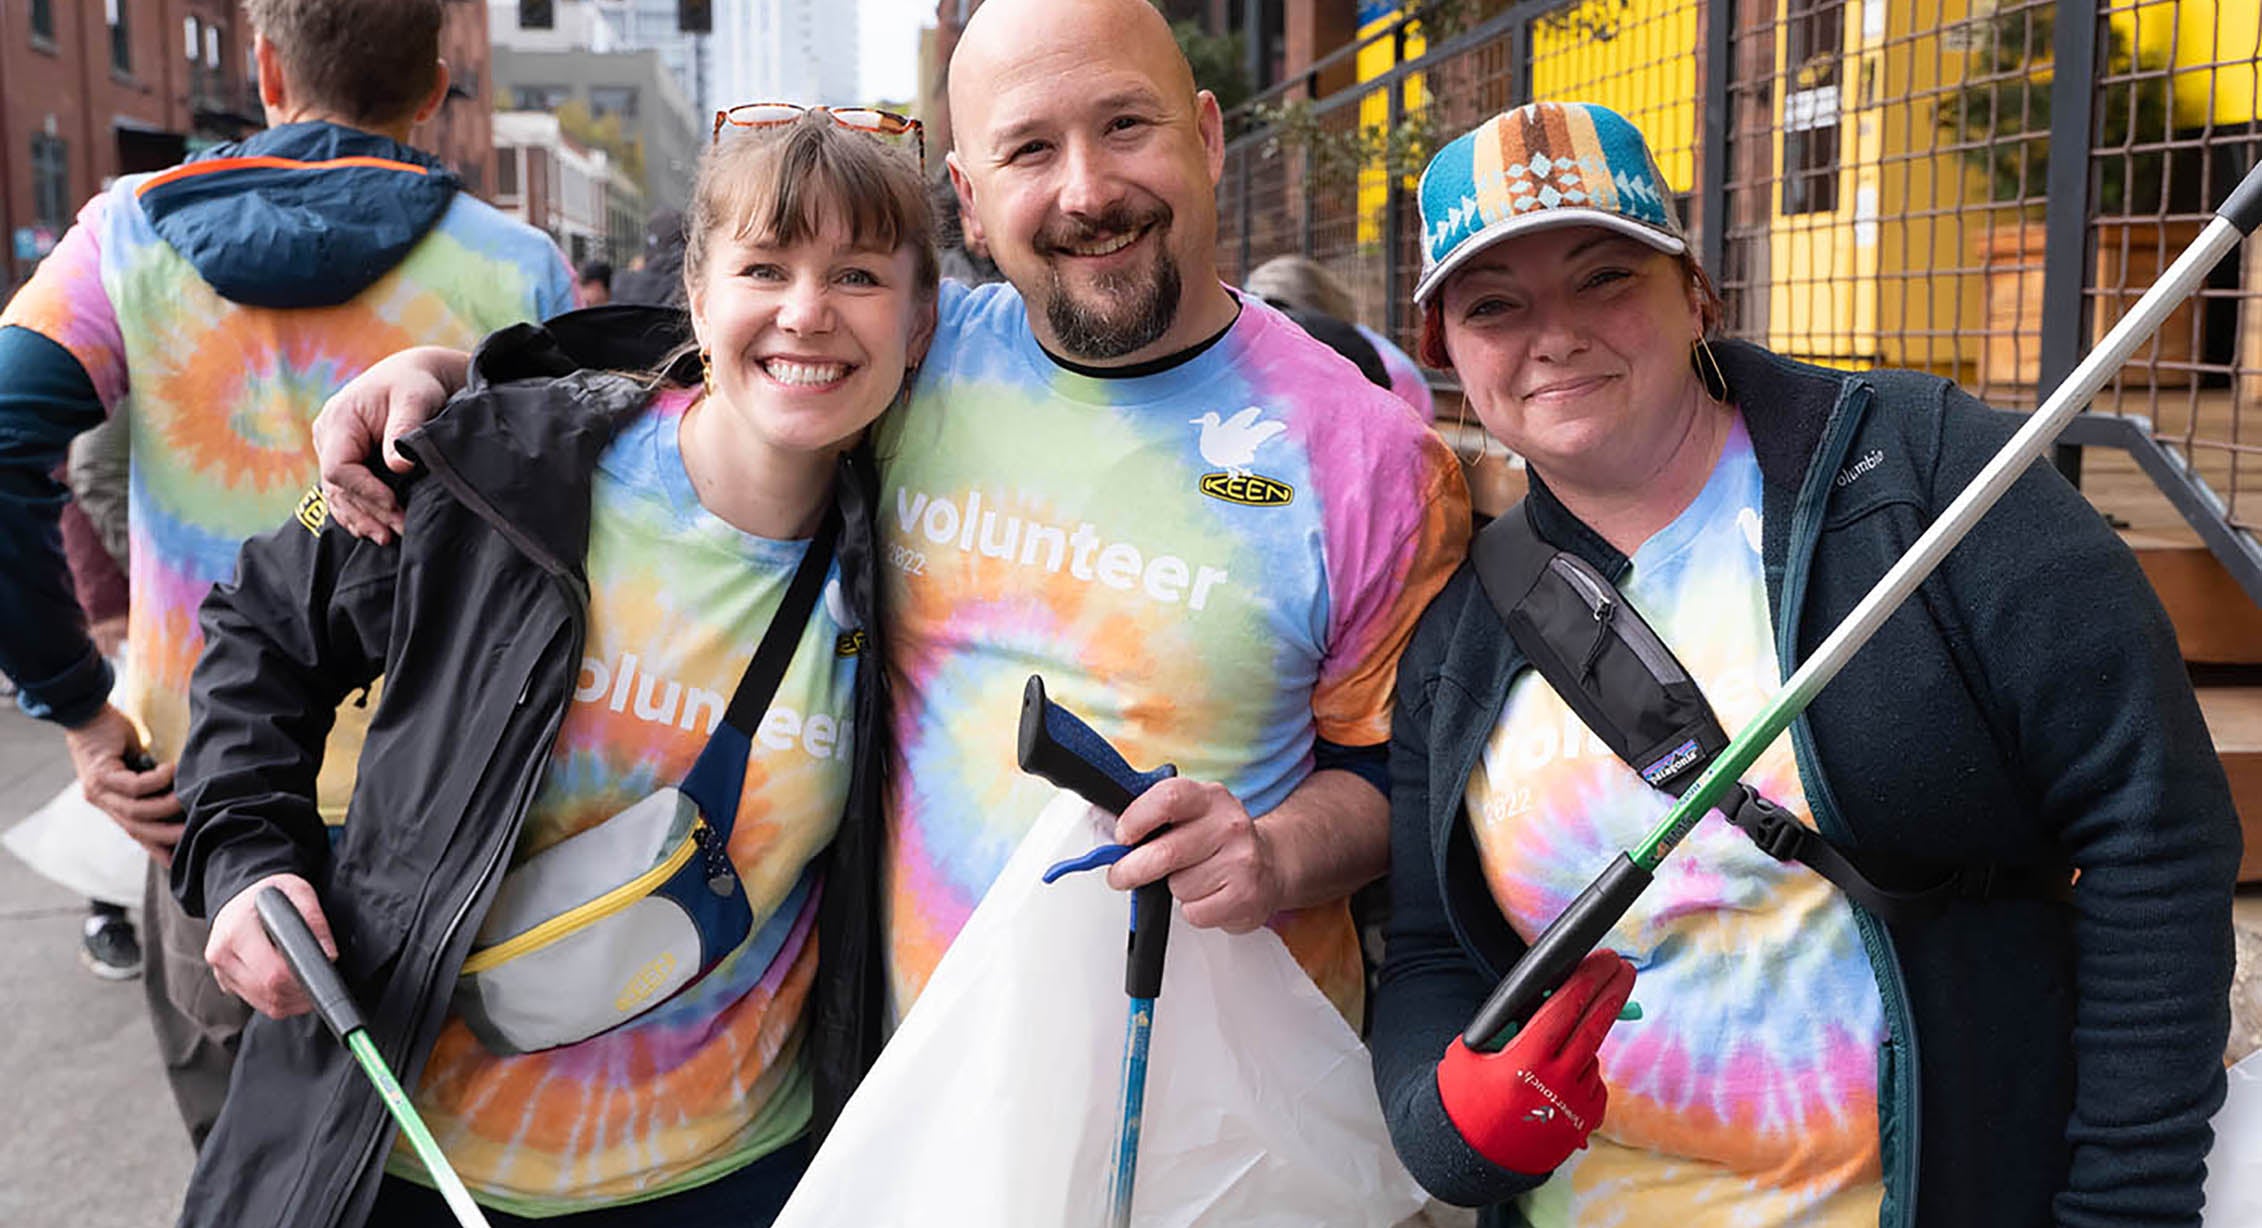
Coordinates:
(1134, 310)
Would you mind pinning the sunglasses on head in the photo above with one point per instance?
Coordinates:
(887, 125)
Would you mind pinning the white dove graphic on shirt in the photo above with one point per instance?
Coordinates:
(1232, 444)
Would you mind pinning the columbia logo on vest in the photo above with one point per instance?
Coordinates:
(1868, 462)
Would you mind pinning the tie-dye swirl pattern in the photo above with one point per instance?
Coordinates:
(713, 1079)
(1039, 521)
(219, 397)
(1746, 1095)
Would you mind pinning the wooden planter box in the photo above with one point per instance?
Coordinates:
(2130, 256)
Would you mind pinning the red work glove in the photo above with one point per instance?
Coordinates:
(1529, 1106)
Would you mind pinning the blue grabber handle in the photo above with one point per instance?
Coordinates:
(1064, 750)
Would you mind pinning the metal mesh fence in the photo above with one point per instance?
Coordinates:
(1877, 188)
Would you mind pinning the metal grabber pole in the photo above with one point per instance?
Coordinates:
(1567, 940)
(1058, 747)
(335, 1004)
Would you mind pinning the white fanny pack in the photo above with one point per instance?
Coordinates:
(603, 926)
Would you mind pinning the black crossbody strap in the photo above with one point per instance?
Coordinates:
(767, 670)
(1598, 654)
(1645, 713)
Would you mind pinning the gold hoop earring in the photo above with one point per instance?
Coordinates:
(707, 370)
(1708, 370)
(1461, 428)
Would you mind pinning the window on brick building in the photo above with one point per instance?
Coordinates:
(506, 170)
(1812, 110)
(43, 19)
(50, 182)
(121, 35)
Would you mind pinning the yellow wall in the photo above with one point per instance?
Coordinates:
(1896, 273)
(1892, 274)
(1646, 71)
(2213, 47)
(1374, 113)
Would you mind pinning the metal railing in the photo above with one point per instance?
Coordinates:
(1871, 184)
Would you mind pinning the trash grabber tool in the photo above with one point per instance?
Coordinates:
(1064, 750)
(290, 934)
(1558, 950)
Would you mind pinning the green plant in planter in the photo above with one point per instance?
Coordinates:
(1999, 118)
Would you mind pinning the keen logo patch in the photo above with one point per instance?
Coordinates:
(1247, 489)
(314, 512)
(850, 644)
(645, 983)
(1231, 444)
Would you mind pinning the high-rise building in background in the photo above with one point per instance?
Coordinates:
(650, 25)
(786, 51)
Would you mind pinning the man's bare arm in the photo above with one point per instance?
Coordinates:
(390, 399)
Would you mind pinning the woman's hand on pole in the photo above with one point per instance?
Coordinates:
(247, 964)
(1529, 1106)
(380, 405)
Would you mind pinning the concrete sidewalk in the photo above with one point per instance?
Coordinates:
(88, 1134)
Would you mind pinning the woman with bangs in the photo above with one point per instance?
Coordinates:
(615, 596)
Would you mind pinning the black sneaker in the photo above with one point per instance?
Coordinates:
(108, 947)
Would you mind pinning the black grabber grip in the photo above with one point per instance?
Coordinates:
(289, 932)
(1150, 937)
(1556, 953)
(2244, 208)
(1062, 749)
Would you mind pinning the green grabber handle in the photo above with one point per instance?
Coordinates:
(336, 1006)
(1557, 951)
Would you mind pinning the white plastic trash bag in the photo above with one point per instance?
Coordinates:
(2234, 1169)
(995, 1104)
(70, 842)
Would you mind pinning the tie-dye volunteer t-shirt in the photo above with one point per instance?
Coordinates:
(222, 396)
(1213, 565)
(714, 1078)
(1746, 1094)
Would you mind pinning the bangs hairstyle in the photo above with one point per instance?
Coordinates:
(782, 185)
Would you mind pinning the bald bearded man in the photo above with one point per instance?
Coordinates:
(1206, 531)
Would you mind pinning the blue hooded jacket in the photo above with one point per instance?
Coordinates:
(302, 216)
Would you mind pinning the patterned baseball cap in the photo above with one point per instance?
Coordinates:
(1542, 164)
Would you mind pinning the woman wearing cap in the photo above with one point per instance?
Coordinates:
(2036, 1057)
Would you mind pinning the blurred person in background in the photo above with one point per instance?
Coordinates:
(95, 543)
(227, 296)
(655, 277)
(1305, 284)
(593, 284)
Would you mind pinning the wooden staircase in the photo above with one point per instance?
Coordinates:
(2217, 625)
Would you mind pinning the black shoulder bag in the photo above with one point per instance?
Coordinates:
(1606, 662)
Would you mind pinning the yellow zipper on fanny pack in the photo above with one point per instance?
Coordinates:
(595, 910)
